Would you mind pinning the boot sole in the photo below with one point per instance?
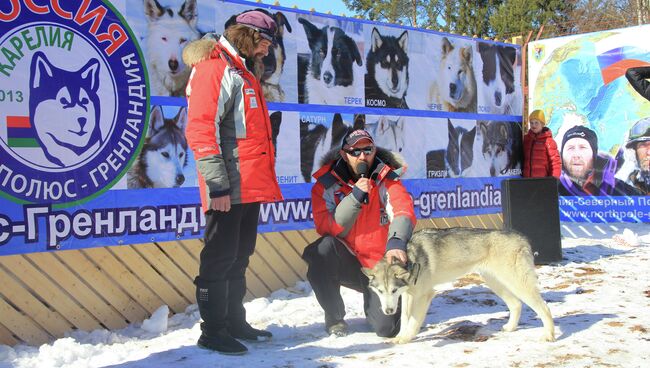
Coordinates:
(222, 352)
(266, 339)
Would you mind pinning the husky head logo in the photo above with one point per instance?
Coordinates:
(388, 60)
(64, 110)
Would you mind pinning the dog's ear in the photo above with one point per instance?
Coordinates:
(466, 52)
(41, 68)
(403, 41)
(446, 46)
(312, 32)
(359, 121)
(156, 120)
(282, 22)
(90, 72)
(376, 40)
(509, 54)
(153, 10)
(503, 132)
(483, 47)
(189, 12)
(181, 118)
(352, 45)
(403, 274)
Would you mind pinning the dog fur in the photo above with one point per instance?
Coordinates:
(455, 87)
(387, 77)
(65, 110)
(503, 258)
(163, 158)
(326, 75)
(168, 31)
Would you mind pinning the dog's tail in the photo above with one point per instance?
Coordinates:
(199, 50)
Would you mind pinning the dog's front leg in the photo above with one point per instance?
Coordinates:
(414, 309)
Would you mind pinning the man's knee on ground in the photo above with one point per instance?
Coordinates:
(386, 330)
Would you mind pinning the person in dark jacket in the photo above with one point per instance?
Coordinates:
(362, 212)
(541, 157)
(637, 77)
(585, 172)
(229, 132)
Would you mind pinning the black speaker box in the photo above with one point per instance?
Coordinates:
(530, 206)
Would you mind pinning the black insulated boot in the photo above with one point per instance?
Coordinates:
(222, 343)
(211, 298)
(237, 325)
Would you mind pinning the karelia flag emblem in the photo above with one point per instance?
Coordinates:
(20, 132)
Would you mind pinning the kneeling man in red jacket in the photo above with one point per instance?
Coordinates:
(363, 212)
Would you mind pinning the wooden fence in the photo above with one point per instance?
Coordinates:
(45, 295)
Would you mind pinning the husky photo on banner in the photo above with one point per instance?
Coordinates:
(454, 87)
(163, 28)
(499, 78)
(329, 61)
(93, 116)
(599, 121)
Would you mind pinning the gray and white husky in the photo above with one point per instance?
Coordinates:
(503, 258)
(162, 161)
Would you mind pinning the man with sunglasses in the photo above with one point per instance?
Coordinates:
(363, 212)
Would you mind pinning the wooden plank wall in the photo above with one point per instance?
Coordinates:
(45, 295)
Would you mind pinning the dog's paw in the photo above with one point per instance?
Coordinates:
(401, 339)
(508, 327)
(548, 337)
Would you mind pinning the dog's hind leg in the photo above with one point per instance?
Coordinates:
(524, 286)
(513, 303)
(414, 309)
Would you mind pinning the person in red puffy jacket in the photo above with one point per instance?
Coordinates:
(230, 134)
(541, 157)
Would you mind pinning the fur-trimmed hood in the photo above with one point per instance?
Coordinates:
(199, 50)
(393, 159)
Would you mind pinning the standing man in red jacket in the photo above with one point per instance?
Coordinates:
(363, 212)
(541, 156)
(229, 132)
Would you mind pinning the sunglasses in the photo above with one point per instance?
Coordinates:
(356, 152)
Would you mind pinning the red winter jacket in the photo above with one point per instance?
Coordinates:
(228, 129)
(364, 228)
(541, 157)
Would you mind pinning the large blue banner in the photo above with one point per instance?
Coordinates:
(92, 116)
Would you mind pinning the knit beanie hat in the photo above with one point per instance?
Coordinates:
(537, 115)
(581, 131)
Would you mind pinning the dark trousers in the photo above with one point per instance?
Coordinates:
(221, 284)
(331, 265)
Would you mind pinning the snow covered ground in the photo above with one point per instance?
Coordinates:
(599, 296)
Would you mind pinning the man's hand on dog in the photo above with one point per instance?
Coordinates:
(396, 254)
(220, 203)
